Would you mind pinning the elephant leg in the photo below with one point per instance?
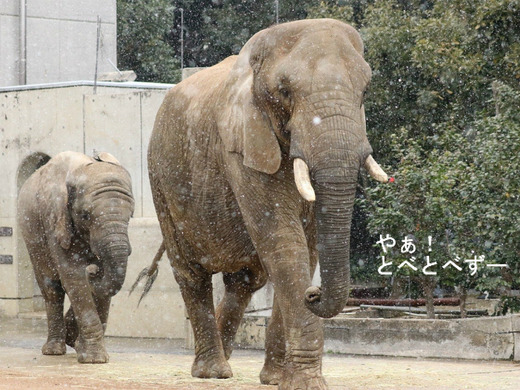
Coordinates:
(54, 296)
(240, 286)
(271, 373)
(280, 240)
(71, 326)
(197, 292)
(89, 345)
(303, 332)
(103, 307)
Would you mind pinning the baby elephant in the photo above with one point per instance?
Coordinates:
(73, 214)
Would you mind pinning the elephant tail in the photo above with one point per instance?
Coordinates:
(150, 273)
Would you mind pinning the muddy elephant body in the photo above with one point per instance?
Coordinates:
(73, 214)
(238, 154)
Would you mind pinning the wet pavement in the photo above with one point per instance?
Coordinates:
(165, 364)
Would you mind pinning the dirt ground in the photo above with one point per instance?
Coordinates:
(164, 364)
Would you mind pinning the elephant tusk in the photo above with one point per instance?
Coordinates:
(375, 170)
(303, 180)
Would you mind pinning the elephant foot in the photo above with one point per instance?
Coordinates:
(91, 352)
(272, 372)
(214, 367)
(54, 347)
(71, 337)
(302, 380)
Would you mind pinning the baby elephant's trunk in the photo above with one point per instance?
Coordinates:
(108, 279)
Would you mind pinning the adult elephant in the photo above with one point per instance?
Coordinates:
(232, 149)
(73, 214)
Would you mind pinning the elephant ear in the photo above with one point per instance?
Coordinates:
(106, 157)
(243, 126)
(60, 215)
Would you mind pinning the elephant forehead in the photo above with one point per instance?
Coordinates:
(102, 174)
(308, 67)
(318, 32)
(334, 66)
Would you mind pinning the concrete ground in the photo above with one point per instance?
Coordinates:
(164, 364)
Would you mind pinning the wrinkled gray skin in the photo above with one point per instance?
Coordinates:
(73, 213)
(221, 169)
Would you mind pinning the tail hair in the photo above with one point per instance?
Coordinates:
(150, 273)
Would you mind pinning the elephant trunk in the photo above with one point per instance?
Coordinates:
(330, 180)
(113, 250)
(335, 194)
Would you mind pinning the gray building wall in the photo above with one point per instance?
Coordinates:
(61, 38)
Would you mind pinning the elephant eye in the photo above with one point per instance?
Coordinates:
(85, 216)
(284, 93)
(364, 94)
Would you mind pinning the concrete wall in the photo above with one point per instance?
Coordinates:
(472, 338)
(486, 338)
(61, 37)
(41, 122)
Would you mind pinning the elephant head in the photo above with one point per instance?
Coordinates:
(99, 204)
(296, 91)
